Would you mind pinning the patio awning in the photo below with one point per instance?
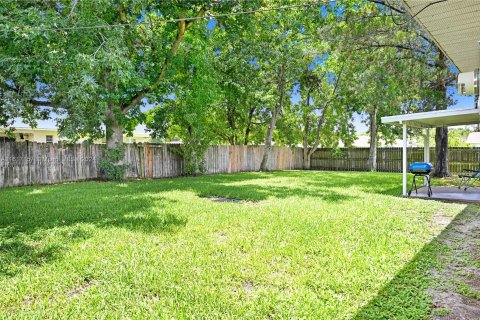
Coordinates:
(454, 25)
(433, 119)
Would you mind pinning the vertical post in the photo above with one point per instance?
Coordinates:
(404, 159)
(426, 151)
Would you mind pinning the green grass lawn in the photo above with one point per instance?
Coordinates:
(323, 245)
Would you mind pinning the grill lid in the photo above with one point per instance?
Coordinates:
(420, 167)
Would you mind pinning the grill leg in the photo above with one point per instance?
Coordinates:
(415, 183)
(429, 190)
(415, 187)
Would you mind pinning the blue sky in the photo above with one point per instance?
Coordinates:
(461, 102)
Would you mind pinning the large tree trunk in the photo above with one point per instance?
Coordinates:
(112, 164)
(441, 134)
(316, 144)
(268, 139)
(372, 158)
(306, 159)
(306, 153)
(273, 121)
(441, 151)
(114, 131)
(114, 135)
(306, 132)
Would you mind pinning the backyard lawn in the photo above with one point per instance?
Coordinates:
(297, 244)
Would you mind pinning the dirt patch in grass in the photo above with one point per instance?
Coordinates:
(248, 286)
(456, 306)
(27, 301)
(474, 281)
(458, 295)
(78, 290)
(231, 200)
(220, 199)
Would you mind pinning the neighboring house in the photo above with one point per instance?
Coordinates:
(45, 135)
(474, 139)
(363, 141)
(29, 134)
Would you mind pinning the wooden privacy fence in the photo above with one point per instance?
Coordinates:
(24, 163)
(390, 159)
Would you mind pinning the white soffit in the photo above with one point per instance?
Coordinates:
(454, 25)
(433, 119)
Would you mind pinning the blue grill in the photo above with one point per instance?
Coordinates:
(420, 168)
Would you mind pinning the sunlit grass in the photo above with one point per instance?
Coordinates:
(299, 245)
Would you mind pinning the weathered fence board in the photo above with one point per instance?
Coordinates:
(390, 159)
(23, 163)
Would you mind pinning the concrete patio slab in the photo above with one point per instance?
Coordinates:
(449, 194)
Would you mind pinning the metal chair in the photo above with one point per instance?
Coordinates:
(468, 178)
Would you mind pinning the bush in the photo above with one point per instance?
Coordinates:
(112, 164)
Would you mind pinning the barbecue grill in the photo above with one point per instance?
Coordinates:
(420, 169)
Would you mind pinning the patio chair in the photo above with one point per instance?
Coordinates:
(468, 178)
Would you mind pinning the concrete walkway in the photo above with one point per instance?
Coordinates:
(450, 194)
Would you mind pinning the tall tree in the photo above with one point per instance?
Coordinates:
(97, 63)
(242, 82)
(282, 35)
(431, 66)
(324, 109)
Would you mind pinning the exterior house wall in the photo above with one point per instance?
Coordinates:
(40, 135)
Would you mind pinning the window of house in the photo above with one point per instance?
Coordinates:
(49, 139)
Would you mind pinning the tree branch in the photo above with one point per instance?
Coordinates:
(396, 46)
(321, 120)
(44, 103)
(385, 4)
(182, 28)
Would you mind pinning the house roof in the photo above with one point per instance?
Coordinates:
(30, 130)
(454, 25)
(55, 130)
(474, 138)
(433, 119)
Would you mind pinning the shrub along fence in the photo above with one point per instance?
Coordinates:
(23, 163)
(390, 159)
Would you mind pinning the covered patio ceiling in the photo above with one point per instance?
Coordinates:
(433, 119)
(454, 25)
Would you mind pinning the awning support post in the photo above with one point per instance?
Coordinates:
(404, 159)
(426, 152)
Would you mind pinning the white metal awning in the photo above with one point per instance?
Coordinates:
(454, 25)
(433, 119)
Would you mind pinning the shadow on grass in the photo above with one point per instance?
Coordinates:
(29, 215)
(406, 295)
(370, 182)
(259, 193)
(37, 224)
